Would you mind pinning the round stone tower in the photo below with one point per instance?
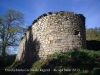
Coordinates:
(59, 32)
(53, 32)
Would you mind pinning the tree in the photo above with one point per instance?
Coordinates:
(93, 33)
(10, 28)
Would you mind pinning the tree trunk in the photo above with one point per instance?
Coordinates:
(3, 51)
(3, 47)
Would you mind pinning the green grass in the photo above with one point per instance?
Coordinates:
(79, 62)
(15, 64)
(86, 62)
(36, 66)
(6, 61)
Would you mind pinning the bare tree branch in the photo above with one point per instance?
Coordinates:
(10, 27)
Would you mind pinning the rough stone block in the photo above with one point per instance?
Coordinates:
(51, 38)
(58, 31)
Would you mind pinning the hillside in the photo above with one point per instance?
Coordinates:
(83, 62)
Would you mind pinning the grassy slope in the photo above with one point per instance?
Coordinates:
(82, 62)
(5, 62)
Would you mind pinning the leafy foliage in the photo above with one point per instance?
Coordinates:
(93, 33)
(11, 26)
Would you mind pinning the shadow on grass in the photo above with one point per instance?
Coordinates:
(72, 63)
(5, 62)
(29, 56)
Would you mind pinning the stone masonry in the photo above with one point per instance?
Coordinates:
(54, 32)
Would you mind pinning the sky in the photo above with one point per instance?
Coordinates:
(32, 9)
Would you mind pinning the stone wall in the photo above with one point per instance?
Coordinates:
(57, 32)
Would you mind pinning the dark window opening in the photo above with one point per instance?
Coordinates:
(76, 32)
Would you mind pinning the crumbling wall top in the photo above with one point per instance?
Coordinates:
(53, 13)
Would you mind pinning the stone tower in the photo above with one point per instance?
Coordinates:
(53, 32)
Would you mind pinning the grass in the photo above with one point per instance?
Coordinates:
(5, 62)
(81, 62)
(15, 64)
(36, 66)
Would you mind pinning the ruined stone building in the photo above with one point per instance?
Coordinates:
(53, 32)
